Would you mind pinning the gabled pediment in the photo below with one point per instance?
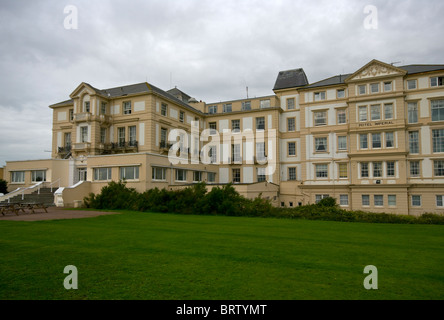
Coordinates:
(84, 88)
(375, 69)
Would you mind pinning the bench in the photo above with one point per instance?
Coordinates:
(17, 207)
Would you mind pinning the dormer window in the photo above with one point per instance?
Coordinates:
(87, 106)
(127, 107)
(318, 96)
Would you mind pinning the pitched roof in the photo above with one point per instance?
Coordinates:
(419, 68)
(291, 79)
(340, 79)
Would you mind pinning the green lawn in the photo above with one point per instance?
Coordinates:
(137, 255)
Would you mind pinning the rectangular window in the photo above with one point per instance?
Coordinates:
(436, 81)
(17, 176)
(414, 142)
(319, 197)
(260, 151)
(132, 136)
(363, 141)
(374, 87)
(236, 176)
(388, 111)
(364, 169)
(290, 104)
(292, 148)
(68, 140)
(291, 124)
(411, 84)
(342, 116)
(389, 140)
(291, 174)
(260, 123)
(261, 175)
(362, 89)
(103, 108)
(129, 173)
(71, 114)
(392, 200)
(412, 111)
(102, 174)
(164, 109)
(342, 143)
(414, 169)
(362, 110)
(213, 154)
(376, 140)
(38, 175)
(322, 171)
(213, 128)
(182, 116)
(265, 104)
(236, 153)
(318, 96)
(438, 140)
(87, 106)
(102, 135)
(375, 112)
(83, 134)
(121, 136)
(246, 105)
(343, 200)
(438, 166)
(377, 169)
(439, 201)
(127, 107)
(197, 176)
(437, 110)
(181, 175)
(340, 93)
(343, 171)
(365, 200)
(235, 125)
(416, 201)
(227, 107)
(387, 86)
(212, 109)
(159, 173)
(321, 144)
(379, 200)
(163, 137)
(390, 168)
(211, 177)
(320, 118)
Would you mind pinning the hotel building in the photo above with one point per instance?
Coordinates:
(373, 139)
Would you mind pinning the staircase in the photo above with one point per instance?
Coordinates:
(46, 197)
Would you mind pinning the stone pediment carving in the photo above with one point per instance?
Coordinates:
(375, 69)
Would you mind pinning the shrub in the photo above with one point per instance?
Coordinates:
(3, 186)
(115, 195)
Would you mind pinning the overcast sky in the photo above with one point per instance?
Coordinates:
(210, 49)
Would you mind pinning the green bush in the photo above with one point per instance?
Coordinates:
(3, 186)
(116, 195)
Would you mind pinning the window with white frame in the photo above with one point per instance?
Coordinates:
(291, 104)
(292, 174)
(181, 175)
(17, 176)
(437, 81)
(102, 135)
(376, 140)
(343, 170)
(211, 177)
(437, 110)
(415, 170)
(246, 105)
(364, 170)
(321, 170)
(438, 166)
(340, 93)
(129, 173)
(264, 104)
(236, 175)
(103, 108)
(411, 84)
(414, 142)
(127, 107)
(87, 106)
(363, 141)
(342, 143)
(378, 200)
(390, 168)
(412, 112)
(261, 175)
(260, 123)
(365, 198)
(388, 111)
(375, 112)
(318, 96)
(387, 86)
(235, 125)
(38, 175)
(102, 174)
(163, 137)
(260, 151)
(84, 134)
(212, 109)
(377, 169)
(343, 200)
(236, 152)
(164, 109)
(321, 144)
(197, 176)
(227, 108)
(291, 125)
(438, 140)
(213, 154)
(392, 200)
(440, 201)
(416, 200)
(132, 136)
(292, 148)
(319, 197)
(362, 89)
(121, 136)
(374, 87)
(320, 118)
(362, 112)
(213, 128)
(389, 140)
(182, 116)
(159, 173)
(342, 116)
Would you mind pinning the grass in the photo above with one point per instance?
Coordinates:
(137, 255)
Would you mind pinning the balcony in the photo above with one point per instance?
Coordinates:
(119, 147)
(87, 117)
(82, 146)
(82, 117)
(64, 152)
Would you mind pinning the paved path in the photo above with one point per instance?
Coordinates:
(53, 214)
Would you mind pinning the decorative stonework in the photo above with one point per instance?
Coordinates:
(375, 70)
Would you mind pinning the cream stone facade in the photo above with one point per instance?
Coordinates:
(373, 139)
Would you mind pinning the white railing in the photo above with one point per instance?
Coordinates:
(53, 183)
(22, 192)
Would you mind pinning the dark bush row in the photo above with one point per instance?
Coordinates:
(226, 200)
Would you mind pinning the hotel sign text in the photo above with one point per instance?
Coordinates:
(379, 123)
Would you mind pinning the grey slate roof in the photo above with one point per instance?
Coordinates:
(291, 79)
(330, 81)
(419, 68)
